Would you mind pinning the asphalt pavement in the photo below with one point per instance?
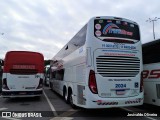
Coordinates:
(51, 106)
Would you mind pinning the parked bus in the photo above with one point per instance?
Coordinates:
(22, 74)
(100, 67)
(151, 73)
(46, 75)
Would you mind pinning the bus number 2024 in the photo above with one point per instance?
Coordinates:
(120, 85)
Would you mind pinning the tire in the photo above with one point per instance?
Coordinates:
(71, 101)
(50, 86)
(66, 98)
(45, 83)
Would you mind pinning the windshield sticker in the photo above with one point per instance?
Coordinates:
(111, 28)
(98, 33)
(98, 26)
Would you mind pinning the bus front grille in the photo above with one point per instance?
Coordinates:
(118, 66)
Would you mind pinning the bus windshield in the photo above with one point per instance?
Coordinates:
(113, 29)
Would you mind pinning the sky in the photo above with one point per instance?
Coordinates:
(45, 26)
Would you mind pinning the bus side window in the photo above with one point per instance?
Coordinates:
(53, 75)
(59, 74)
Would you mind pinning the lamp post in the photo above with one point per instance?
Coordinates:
(153, 20)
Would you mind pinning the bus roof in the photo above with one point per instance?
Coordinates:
(114, 18)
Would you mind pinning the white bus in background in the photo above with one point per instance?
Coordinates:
(46, 75)
(100, 67)
(151, 72)
(22, 74)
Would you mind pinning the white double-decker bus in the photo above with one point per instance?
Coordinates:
(151, 73)
(100, 67)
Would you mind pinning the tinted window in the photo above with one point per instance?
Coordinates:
(53, 75)
(151, 58)
(76, 42)
(58, 74)
(151, 52)
(116, 28)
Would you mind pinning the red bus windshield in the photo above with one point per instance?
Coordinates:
(23, 62)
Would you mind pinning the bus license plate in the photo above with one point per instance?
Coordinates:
(120, 92)
(22, 93)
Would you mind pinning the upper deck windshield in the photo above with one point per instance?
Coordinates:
(116, 31)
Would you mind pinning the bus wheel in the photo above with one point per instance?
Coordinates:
(66, 97)
(71, 100)
(50, 86)
(45, 82)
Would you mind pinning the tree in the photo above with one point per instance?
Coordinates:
(47, 62)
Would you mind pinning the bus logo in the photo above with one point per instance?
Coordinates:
(153, 74)
(6, 114)
(111, 28)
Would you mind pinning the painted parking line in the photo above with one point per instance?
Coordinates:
(126, 109)
(62, 118)
(8, 118)
(66, 115)
(50, 104)
(1, 109)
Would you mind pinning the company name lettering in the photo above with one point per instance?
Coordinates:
(151, 74)
(120, 31)
(118, 46)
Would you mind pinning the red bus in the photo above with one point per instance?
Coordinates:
(22, 74)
